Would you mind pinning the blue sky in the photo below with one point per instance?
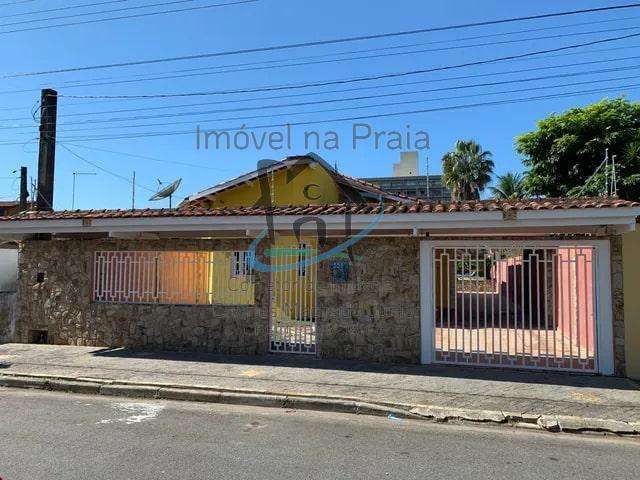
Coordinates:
(274, 22)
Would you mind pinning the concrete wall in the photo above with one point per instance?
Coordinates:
(631, 275)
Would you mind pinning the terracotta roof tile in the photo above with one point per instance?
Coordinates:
(338, 209)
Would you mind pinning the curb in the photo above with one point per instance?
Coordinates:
(95, 386)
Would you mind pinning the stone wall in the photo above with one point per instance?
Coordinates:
(371, 314)
(375, 315)
(617, 296)
(372, 317)
(62, 303)
(7, 316)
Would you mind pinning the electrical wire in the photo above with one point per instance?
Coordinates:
(145, 157)
(352, 118)
(305, 94)
(68, 103)
(348, 108)
(19, 2)
(49, 10)
(366, 50)
(333, 41)
(148, 78)
(337, 100)
(361, 79)
(84, 14)
(95, 165)
(127, 17)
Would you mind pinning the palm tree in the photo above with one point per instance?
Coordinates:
(467, 170)
(508, 186)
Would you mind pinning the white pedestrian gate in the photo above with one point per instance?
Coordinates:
(293, 297)
(512, 304)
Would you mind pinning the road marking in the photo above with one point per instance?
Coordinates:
(135, 413)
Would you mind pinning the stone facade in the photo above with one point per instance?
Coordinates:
(7, 316)
(62, 303)
(617, 297)
(372, 317)
(368, 308)
(375, 314)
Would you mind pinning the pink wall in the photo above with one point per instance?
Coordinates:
(574, 296)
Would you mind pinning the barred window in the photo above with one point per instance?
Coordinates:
(173, 277)
(240, 264)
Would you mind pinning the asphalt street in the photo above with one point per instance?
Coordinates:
(47, 435)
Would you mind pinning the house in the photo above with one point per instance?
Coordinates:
(298, 258)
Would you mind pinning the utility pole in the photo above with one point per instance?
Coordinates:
(24, 192)
(133, 191)
(47, 151)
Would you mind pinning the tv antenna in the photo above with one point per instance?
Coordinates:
(167, 191)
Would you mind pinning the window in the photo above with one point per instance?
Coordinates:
(240, 264)
(173, 277)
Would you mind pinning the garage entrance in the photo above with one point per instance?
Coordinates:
(524, 305)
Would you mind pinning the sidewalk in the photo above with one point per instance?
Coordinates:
(546, 400)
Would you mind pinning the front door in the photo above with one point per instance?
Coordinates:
(293, 295)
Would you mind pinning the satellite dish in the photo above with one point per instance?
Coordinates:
(167, 191)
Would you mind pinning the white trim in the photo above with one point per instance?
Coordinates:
(604, 308)
(426, 303)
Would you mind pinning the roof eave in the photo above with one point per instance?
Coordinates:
(620, 219)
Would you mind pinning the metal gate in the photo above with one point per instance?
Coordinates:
(515, 305)
(293, 297)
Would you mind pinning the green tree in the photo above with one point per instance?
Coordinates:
(467, 170)
(508, 186)
(566, 149)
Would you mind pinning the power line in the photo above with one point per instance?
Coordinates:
(352, 89)
(361, 79)
(19, 2)
(348, 99)
(358, 107)
(145, 157)
(541, 57)
(148, 78)
(353, 118)
(95, 165)
(366, 50)
(527, 59)
(49, 10)
(461, 77)
(324, 42)
(85, 14)
(126, 17)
